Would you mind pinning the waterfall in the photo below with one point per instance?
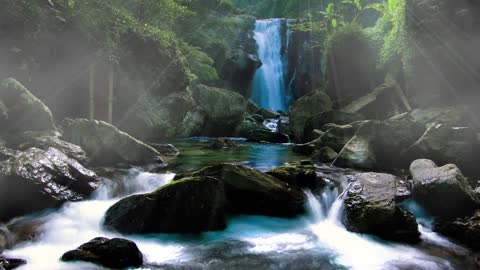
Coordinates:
(269, 87)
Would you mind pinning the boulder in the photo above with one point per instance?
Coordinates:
(305, 108)
(224, 109)
(257, 118)
(6, 153)
(450, 116)
(44, 140)
(371, 208)
(265, 135)
(222, 143)
(252, 107)
(10, 263)
(165, 149)
(320, 119)
(113, 253)
(189, 205)
(303, 176)
(24, 111)
(251, 192)
(324, 154)
(465, 230)
(247, 126)
(446, 144)
(239, 69)
(268, 114)
(442, 191)
(36, 179)
(107, 145)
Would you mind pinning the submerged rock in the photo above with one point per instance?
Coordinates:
(297, 175)
(465, 230)
(106, 145)
(266, 135)
(222, 143)
(22, 111)
(249, 191)
(36, 179)
(371, 207)
(442, 191)
(114, 253)
(189, 205)
(165, 149)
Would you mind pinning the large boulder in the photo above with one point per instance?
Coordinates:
(371, 207)
(113, 253)
(465, 230)
(303, 176)
(247, 126)
(266, 135)
(189, 205)
(224, 109)
(442, 191)
(249, 191)
(107, 145)
(36, 179)
(239, 69)
(305, 108)
(21, 110)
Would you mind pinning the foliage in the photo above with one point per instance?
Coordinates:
(200, 64)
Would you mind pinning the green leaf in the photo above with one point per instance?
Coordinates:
(334, 23)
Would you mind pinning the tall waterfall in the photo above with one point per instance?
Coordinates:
(269, 84)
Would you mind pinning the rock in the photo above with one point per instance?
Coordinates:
(305, 108)
(224, 109)
(44, 140)
(320, 119)
(106, 145)
(114, 253)
(239, 69)
(324, 154)
(247, 126)
(190, 205)
(303, 176)
(165, 149)
(283, 125)
(252, 107)
(25, 111)
(465, 230)
(442, 191)
(257, 118)
(6, 153)
(222, 143)
(449, 116)
(370, 207)
(251, 192)
(445, 144)
(264, 135)
(268, 114)
(10, 263)
(36, 179)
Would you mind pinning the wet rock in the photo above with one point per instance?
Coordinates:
(265, 135)
(465, 230)
(10, 263)
(6, 153)
(165, 149)
(371, 207)
(283, 125)
(222, 143)
(114, 253)
(224, 109)
(249, 191)
(248, 126)
(36, 179)
(324, 154)
(442, 191)
(268, 114)
(257, 118)
(303, 176)
(24, 111)
(107, 145)
(304, 109)
(189, 205)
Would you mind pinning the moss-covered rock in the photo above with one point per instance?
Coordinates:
(249, 191)
(21, 110)
(305, 108)
(252, 107)
(371, 207)
(442, 191)
(107, 145)
(190, 205)
(36, 179)
(224, 109)
(303, 176)
(266, 135)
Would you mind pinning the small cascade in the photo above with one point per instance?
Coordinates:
(271, 124)
(269, 84)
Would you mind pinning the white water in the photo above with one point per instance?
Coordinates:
(269, 88)
(321, 235)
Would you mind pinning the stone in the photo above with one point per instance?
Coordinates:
(263, 135)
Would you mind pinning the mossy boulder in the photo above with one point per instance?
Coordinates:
(21, 110)
(266, 135)
(107, 145)
(247, 126)
(36, 179)
(224, 109)
(113, 253)
(305, 108)
(442, 191)
(252, 107)
(249, 191)
(371, 208)
(189, 205)
(303, 176)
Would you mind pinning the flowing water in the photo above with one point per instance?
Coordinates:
(316, 241)
(269, 86)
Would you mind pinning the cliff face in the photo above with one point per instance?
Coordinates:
(445, 36)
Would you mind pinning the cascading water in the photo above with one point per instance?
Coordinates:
(269, 87)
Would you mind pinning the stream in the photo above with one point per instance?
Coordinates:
(317, 240)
